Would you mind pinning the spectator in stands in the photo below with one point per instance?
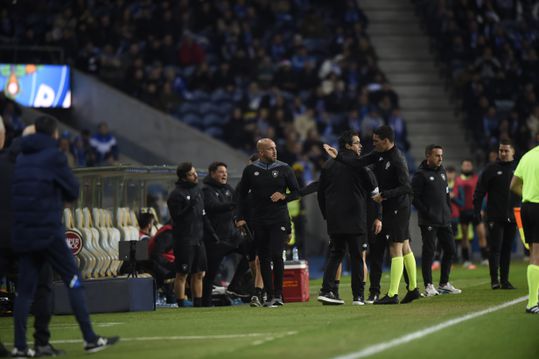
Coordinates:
(190, 52)
(65, 147)
(104, 145)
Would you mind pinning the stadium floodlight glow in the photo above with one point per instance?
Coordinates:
(45, 86)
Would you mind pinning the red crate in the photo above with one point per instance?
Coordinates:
(296, 281)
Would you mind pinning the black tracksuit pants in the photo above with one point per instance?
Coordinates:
(336, 255)
(270, 242)
(447, 243)
(42, 306)
(500, 242)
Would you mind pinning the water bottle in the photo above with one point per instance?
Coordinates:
(284, 255)
(295, 254)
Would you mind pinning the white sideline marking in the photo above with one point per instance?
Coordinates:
(99, 325)
(378, 348)
(268, 337)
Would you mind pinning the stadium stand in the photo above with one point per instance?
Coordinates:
(236, 70)
(488, 51)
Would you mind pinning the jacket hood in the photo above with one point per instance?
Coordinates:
(184, 184)
(424, 166)
(37, 142)
(208, 180)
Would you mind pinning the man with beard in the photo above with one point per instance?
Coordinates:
(433, 204)
(268, 180)
(494, 181)
(189, 221)
(391, 172)
(342, 197)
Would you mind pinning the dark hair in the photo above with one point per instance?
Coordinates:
(346, 138)
(506, 142)
(144, 219)
(384, 132)
(466, 160)
(450, 169)
(429, 148)
(183, 168)
(215, 165)
(46, 125)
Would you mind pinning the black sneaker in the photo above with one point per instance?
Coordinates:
(4, 353)
(533, 310)
(388, 300)
(255, 301)
(495, 285)
(277, 301)
(26, 353)
(48, 351)
(358, 300)
(410, 296)
(329, 298)
(373, 297)
(100, 344)
(507, 286)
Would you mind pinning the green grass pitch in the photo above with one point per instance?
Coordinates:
(310, 330)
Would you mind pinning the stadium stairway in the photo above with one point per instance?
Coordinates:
(404, 56)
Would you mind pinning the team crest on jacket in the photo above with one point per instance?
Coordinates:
(275, 173)
(499, 173)
(74, 241)
(443, 176)
(431, 178)
(388, 164)
(257, 173)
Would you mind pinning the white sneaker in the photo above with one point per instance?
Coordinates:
(430, 291)
(448, 289)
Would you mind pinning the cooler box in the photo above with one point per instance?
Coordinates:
(296, 281)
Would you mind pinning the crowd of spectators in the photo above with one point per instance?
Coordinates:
(489, 51)
(82, 150)
(299, 71)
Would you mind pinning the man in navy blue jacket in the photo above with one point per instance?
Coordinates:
(42, 182)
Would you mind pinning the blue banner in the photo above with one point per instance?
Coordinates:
(37, 85)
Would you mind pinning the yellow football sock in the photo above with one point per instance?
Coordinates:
(397, 266)
(410, 265)
(533, 285)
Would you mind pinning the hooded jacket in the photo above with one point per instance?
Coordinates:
(42, 182)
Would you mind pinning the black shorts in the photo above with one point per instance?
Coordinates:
(530, 213)
(467, 217)
(190, 258)
(395, 225)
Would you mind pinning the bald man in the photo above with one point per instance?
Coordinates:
(268, 180)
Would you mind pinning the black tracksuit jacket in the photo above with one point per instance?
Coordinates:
(494, 181)
(391, 172)
(431, 196)
(264, 179)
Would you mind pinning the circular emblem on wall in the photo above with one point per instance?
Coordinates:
(74, 241)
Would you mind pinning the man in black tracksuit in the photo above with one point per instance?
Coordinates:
(189, 221)
(268, 180)
(433, 204)
(220, 206)
(342, 196)
(391, 172)
(494, 181)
